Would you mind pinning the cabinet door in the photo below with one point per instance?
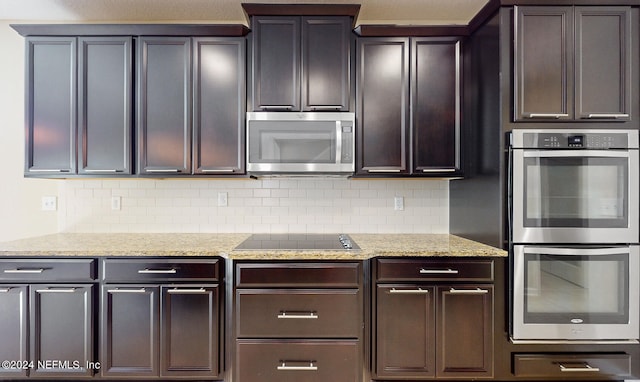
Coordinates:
(404, 343)
(190, 331)
(276, 63)
(61, 330)
(13, 329)
(164, 105)
(465, 321)
(129, 331)
(326, 55)
(543, 59)
(219, 105)
(383, 105)
(603, 63)
(104, 102)
(435, 98)
(51, 106)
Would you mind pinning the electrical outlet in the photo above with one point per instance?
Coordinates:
(223, 200)
(49, 203)
(398, 203)
(116, 203)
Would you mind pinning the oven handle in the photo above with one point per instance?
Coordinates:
(575, 153)
(575, 251)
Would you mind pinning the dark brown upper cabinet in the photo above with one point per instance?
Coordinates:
(164, 105)
(190, 121)
(51, 92)
(219, 94)
(408, 102)
(79, 116)
(105, 116)
(186, 107)
(573, 64)
(382, 92)
(300, 63)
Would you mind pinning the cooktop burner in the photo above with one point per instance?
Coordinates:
(298, 242)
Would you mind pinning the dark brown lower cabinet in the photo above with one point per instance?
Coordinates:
(130, 338)
(298, 360)
(433, 319)
(298, 321)
(13, 329)
(160, 331)
(46, 330)
(61, 330)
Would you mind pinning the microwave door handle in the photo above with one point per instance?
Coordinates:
(575, 153)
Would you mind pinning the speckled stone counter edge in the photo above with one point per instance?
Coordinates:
(199, 245)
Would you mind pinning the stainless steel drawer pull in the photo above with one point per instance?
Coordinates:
(158, 271)
(5, 290)
(409, 291)
(468, 291)
(32, 271)
(298, 315)
(141, 290)
(586, 368)
(326, 107)
(283, 366)
(48, 170)
(547, 115)
(447, 271)
(438, 170)
(276, 107)
(211, 170)
(605, 115)
(193, 291)
(105, 171)
(152, 170)
(62, 290)
(383, 171)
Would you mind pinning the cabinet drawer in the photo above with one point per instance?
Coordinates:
(434, 269)
(140, 270)
(48, 270)
(337, 275)
(309, 313)
(572, 366)
(295, 361)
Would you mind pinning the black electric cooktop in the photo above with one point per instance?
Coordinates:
(298, 242)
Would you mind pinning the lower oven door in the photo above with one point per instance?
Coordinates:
(577, 293)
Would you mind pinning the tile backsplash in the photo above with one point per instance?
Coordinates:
(297, 205)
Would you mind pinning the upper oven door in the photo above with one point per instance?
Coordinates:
(575, 196)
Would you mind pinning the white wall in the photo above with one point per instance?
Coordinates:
(267, 205)
(20, 214)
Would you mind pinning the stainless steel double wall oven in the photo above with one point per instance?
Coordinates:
(574, 214)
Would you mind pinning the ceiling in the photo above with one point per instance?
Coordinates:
(404, 12)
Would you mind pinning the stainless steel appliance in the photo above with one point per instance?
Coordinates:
(575, 186)
(571, 293)
(298, 242)
(300, 143)
(574, 235)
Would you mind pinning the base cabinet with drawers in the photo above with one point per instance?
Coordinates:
(298, 321)
(47, 318)
(433, 318)
(161, 318)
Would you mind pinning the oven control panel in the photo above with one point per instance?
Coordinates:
(577, 140)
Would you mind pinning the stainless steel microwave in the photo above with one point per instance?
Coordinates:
(300, 143)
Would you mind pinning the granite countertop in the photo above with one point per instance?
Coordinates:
(186, 244)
